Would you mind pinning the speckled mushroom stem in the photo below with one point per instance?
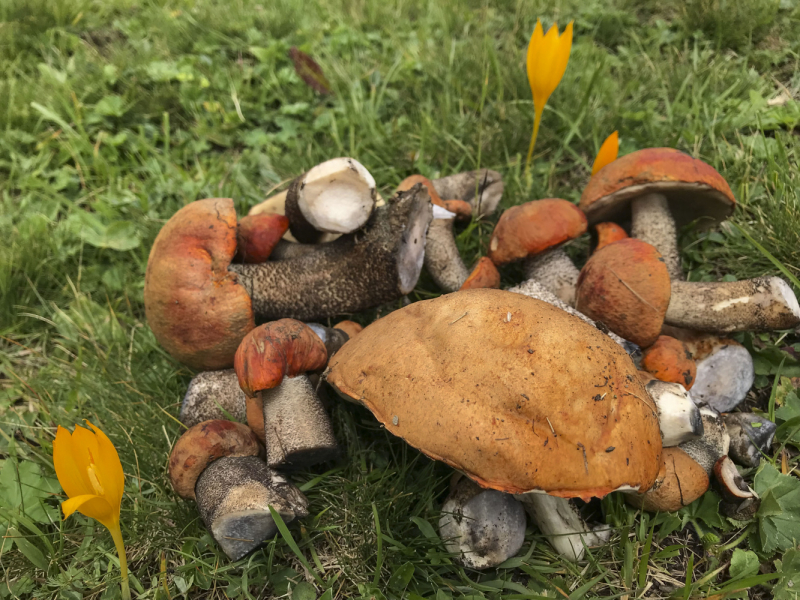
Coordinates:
(442, 259)
(297, 430)
(760, 304)
(534, 289)
(652, 222)
(378, 264)
(234, 496)
(555, 270)
(482, 189)
(213, 395)
(559, 520)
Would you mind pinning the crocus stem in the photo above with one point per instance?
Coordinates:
(537, 119)
(116, 534)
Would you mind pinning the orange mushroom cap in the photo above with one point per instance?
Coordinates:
(351, 328)
(258, 235)
(194, 305)
(534, 227)
(626, 286)
(513, 392)
(484, 275)
(608, 233)
(270, 352)
(694, 189)
(682, 482)
(670, 360)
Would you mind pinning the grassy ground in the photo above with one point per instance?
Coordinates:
(115, 114)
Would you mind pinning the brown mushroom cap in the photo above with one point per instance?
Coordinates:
(684, 482)
(534, 227)
(275, 350)
(517, 394)
(258, 235)
(484, 275)
(194, 305)
(694, 189)
(204, 443)
(670, 360)
(608, 233)
(626, 286)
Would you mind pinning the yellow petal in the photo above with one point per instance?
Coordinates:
(93, 507)
(607, 153)
(534, 48)
(109, 467)
(73, 479)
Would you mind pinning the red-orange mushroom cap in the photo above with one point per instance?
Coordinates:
(534, 227)
(484, 275)
(694, 189)
(626, 286)
(194, 305)
(608, 233)
(258, 235)
(669, 360)
(270, 352)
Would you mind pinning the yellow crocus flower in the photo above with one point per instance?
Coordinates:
(607, 153)
(89, 471)
(548, 54)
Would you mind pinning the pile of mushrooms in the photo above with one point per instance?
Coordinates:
(570, 385)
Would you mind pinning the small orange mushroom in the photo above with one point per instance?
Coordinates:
(608, 233)
(670, 360)
(257, 236)
(484, 275)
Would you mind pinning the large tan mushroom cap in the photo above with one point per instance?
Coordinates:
(517, 394)
(694, 189)
(194, 305)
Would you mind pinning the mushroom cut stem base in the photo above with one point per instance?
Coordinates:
(555, 270)
(652, 222)
(759, 304)
(234, 496)
(560, 521)
(297, 429)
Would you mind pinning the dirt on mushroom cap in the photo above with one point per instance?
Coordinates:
(515, 393)
(194, 305)
(667, 171)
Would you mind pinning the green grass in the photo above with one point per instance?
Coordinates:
(115, 114)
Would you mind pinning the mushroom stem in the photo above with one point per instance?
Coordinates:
(442, 259)
(678, 417)
(760, 304)
(555, 270)
(534, 289)
(559, 520)
(482, 189)
(653, 223)
(482, 527)
(297, 429)
(285, 250)
(336, 196)
(234, 496)
(713, 444)
(357, 271)
(213, 395)
(751, 436)
(332, 337)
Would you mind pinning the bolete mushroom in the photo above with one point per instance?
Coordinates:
(336, 196)
(271, 364)
(377, 264)
(751, 437)
(216, 463)
(484, 275)
(213, 395)
(608, 233)
(669, 359)
(625, 285)
(739, 500)
(713, 444)
(516, 394)
(481, 527)
(679, 419)
(481, 189)
(442, 259)
(682, 482)
(657, 187)
(257, 236)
